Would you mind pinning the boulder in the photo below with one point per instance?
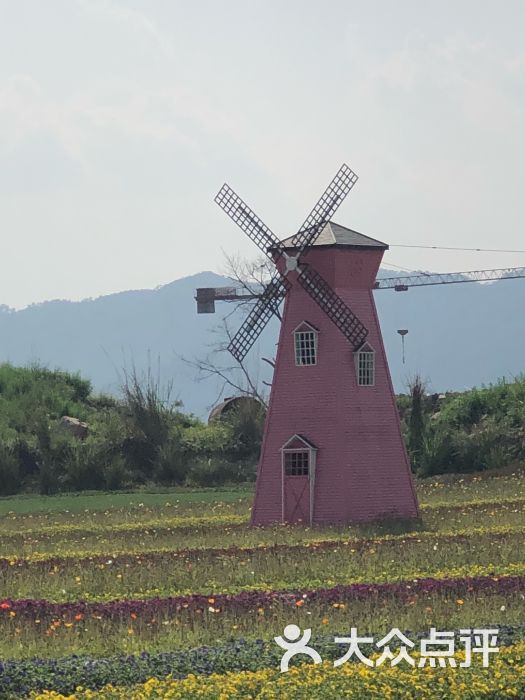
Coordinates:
(75, 426)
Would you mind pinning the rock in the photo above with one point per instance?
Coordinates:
(75, 426)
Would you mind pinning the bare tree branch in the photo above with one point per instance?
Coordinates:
(270, 362)
(250, 275)
(235, 377)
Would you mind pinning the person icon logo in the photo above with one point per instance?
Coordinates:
(294, 644)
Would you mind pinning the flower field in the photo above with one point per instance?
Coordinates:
(505, 680)
(169, 596)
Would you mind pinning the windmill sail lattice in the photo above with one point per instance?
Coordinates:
(266, 306)
(325, 208)
(333, 306)
(247, 220)
(310, 280)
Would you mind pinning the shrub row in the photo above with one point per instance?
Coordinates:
(65, 674)
(504, 678)
(144, 437)
(141, 437)
(472, 431)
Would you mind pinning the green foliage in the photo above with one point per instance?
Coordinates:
(144, 438)
(216, 438)
(172, 460)
(474, 431)
(9, 472)
(25, 392)
(246, 423)
(416, 423)
(216, 472)
(140, 438)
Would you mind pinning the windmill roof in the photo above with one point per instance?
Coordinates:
(335, 234)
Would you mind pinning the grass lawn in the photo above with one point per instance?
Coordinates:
(100, 501)
(446, 490)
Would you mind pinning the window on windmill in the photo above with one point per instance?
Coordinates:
(366, 368)
(305, 347)
(296, 463)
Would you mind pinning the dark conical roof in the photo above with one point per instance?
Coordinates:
(335, 234)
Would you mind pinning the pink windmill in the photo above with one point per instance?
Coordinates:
(332, 449)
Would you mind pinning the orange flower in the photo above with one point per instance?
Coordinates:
(78, 617)
(299, 603)
(4, 606)
(134, 616)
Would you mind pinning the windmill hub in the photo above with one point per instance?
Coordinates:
(291, 263)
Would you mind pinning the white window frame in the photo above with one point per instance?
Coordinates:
(303, 452)
(305, 336)
(366, 366)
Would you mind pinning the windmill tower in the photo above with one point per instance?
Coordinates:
(332, 449)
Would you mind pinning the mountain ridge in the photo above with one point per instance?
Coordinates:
(459, 335)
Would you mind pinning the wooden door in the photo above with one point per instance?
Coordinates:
(297, 499)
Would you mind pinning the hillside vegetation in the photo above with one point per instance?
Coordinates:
(475, 430)
(143, 437)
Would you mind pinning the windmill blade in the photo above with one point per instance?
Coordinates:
(325, 208)
(267, 304)
(248, 221)
(334, 307)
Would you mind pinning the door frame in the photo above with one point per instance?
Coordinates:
(312, 463)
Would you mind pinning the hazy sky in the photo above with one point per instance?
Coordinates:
(120, 119)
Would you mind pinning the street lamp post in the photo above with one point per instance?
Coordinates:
(402, 332)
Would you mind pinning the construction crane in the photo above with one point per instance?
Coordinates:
(207, 296)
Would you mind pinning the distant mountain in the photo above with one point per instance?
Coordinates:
(460, 335)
